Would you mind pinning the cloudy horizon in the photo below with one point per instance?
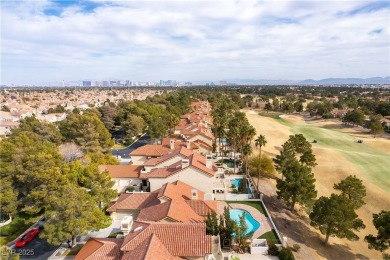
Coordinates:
(43, 41)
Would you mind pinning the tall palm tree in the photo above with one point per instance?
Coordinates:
(260, 141)
(246, 151)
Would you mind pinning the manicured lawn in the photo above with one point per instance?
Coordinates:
(18, 225)
(257, 205)
(271, 237)
(372, 163)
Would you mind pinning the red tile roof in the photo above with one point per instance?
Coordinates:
(100, 248)
(202, 208)
(135, 201)
(178, 143)
(150, 150)
(180, 239)
(182, 151)
(177, 207)
(122, 171)
(150, 249)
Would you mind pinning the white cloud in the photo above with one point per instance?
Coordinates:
(193, 40)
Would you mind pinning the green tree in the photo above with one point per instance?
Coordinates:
(46, 131)
(263, 167)
(58, 109)
(353, 189)
(381, 241)
(109, 113)
(298, 106)
(335, 216)
(247, 151)
(298, 185)
(212, 227)
(276, 104)
(34, 166)
(268, 106)
(157, 128)
(260, 141)
(87, 131)
(100, 185)
(355, 116)
(375, 125)
(9, 198)
(241, 235)
(229, 224)
(133, 126)
(242, 186)
(286, 254)
(71, 211)
(296, 147)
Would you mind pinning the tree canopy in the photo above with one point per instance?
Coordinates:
(335, 216)
(381, 241)
(71, 211)
(353, 189)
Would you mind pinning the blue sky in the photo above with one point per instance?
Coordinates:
(51, 41)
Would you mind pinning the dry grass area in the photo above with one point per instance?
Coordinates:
(338, 155)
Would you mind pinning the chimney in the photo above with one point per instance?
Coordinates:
(172, 144)
(188, 144)
(185, 163)
(209, 161)
(194, 194)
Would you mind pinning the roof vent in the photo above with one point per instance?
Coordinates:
(138, 229)
(194, 194)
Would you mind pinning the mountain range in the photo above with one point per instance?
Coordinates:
(327, 81)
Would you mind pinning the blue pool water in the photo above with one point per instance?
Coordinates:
(236, 183)
(252, 224)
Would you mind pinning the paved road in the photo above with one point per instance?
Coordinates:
(125, 152)
(36, 249)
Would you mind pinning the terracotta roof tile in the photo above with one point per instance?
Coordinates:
(201, 207)
(135, 201)
(180, 239)
(150, 150)
(122, 171)
(150, 249)
(100, 248)
(182, 151)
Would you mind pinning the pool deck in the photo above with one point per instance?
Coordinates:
(265, 225)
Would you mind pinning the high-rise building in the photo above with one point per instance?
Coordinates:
(87, 83)
(128, 83)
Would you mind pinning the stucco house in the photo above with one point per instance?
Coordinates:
(150, 241)
(124, 176)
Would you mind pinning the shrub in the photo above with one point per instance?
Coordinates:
(273, 250)
(296, 247)
(235, 191)
(286, 254)
(130, 189)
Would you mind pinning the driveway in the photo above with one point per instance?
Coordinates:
(125, 152)
(37, 249)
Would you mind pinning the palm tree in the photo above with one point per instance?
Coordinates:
(260, 142)
(246, 151)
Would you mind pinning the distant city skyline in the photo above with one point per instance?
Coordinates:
(51, 40)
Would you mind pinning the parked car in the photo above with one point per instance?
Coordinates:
(30, 235)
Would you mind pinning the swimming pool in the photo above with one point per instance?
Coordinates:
(252, 223)
(236, 183)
